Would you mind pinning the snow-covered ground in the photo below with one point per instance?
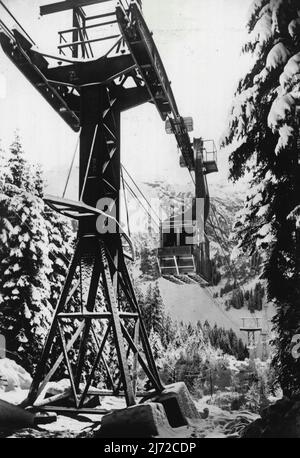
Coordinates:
(219, 423)
(191, 303)
(14, 381)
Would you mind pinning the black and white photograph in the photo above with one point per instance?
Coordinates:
(149, 222)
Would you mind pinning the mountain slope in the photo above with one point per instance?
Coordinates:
(190, 303)
(193, 303)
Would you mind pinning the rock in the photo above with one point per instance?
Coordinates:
(13, 376)
(13, 417)
(143, 420)
(254, 429)
(204, 414)
(44, 418)
(156, 415)
(53, 388)
(280, 420)
(178, 404)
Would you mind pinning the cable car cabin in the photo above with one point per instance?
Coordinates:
(209, 153)
(209, 158)
(184, 248)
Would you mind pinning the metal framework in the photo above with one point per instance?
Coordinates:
(90, 94)
(99, 253)
(251, 325)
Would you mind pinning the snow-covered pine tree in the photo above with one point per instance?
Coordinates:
(156, 344)
(157, 309)
(152, 309)
(24, 267)
(32, 239)
(146, 265)
(264, 130)
(17, 165)
(146, 309)
(168, 333)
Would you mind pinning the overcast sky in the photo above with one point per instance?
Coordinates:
(199, 42)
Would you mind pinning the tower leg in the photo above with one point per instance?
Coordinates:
(39, 373)
(121, 326)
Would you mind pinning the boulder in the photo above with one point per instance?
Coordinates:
(13, 376)
(158, 415)
(178, 404)
(13, 417)
(143, 420)
(280, 420)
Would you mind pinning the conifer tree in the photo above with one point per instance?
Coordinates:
(158, 313)
(146, 265)
(264, 133)
(153, 309)
(34, 245)
(24, 267)
(156, 344)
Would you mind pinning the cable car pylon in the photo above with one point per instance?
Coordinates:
(97, 300)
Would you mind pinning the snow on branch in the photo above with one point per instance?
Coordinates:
(295, 216)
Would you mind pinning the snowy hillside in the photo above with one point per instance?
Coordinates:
(193, 303)
(190, 303)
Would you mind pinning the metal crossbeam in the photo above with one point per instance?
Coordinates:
(67, 5)
(87, 27)
(95, 365)
(94, 40)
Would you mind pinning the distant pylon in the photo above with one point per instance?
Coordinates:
(251, 326)
(265, 333)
